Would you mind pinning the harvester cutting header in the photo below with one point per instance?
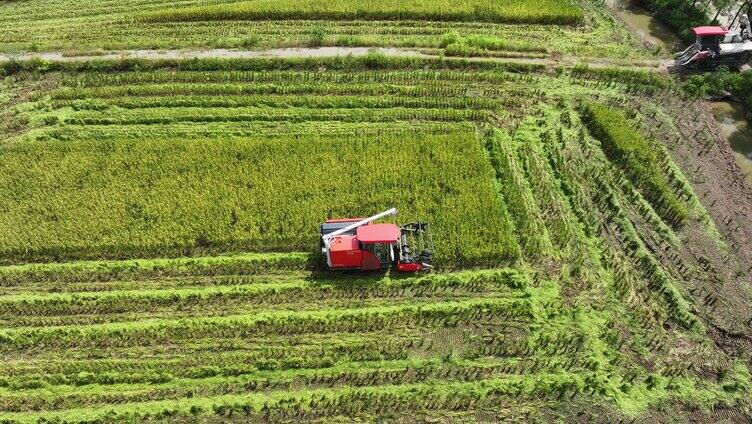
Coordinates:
(360, 244)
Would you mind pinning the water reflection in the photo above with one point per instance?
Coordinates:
(646, 26)
(735, 127)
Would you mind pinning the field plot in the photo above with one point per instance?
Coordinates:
(514, 11)
(335, 346)
(572, 281)
(255, 193)
(281, 344)
(509, 28)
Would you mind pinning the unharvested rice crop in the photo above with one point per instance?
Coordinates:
(516, 11)
(641, 160)
(145, 197)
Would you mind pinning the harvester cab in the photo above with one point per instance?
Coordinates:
(363, 245)
(714, 47)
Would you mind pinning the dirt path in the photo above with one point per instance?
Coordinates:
(306, 52)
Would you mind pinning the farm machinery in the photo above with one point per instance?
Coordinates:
(363, 245)
(714, 47)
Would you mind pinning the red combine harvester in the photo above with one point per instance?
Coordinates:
(715, 46)
(360, 244)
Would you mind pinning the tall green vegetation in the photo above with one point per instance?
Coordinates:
(683, 15)
(517, 11)
(639, 158)
(711, 84)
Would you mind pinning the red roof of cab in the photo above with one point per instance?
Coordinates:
(378, 233)
(710, 30)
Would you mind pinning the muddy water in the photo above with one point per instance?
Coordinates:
(734, 126)
(645, 26)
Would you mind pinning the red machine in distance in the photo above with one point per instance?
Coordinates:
(360, 244)
(714, 47)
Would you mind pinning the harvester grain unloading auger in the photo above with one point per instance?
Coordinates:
(360, 244)
(715, 47)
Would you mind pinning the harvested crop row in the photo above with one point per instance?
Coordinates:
(407, 77)
(210, 357)
(200, 115)
(344, 400)
(239, 89)
(529, 224)
(232, 300)
(280, 101)
(219, 130)
(60, 290)
(354, 374)
(151, 332)
(369, 62)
